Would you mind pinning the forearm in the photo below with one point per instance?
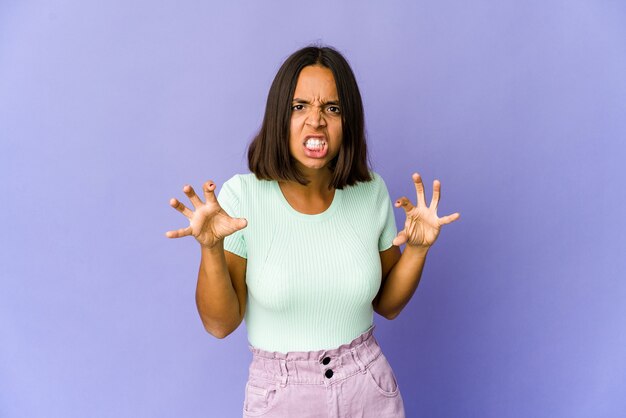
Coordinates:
(401, 282)
(216, 298)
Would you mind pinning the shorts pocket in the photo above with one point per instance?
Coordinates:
(382, 377)
(260, 397)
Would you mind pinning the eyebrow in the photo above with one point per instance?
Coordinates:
(331, 102)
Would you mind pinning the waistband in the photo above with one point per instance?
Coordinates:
(316, 367)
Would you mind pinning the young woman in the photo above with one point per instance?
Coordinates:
(304, 249)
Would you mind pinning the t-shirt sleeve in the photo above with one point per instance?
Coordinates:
(229, 199)
(386, 218)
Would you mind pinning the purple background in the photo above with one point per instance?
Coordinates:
(108, 108)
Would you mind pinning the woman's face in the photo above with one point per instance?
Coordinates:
(316, 134)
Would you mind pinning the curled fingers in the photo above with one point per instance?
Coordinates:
(449, 219)
(176, 204)
(178, 233)
(209, 191)
(400, 239)
(419, 188)
(436, 195)
(191, 194)
(405, 203)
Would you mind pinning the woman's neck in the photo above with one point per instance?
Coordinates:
(317, 185)
(314, 197)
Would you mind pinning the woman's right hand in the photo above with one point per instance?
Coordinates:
(208, 223)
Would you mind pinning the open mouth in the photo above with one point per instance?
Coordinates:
(315, 147)
(315, 144)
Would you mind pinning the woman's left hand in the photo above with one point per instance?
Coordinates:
(422, 224)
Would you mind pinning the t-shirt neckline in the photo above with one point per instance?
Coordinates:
(304, 216)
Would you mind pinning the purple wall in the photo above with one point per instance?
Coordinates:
(108, 108)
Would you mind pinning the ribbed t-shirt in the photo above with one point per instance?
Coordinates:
(311, 278)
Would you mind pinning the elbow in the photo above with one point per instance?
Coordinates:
(390, 315)
(219, 331)
(387, 314)
(219, 334)
(219, 326)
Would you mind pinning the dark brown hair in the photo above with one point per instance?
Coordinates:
(268, 154)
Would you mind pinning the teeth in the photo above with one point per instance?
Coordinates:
(314, 144)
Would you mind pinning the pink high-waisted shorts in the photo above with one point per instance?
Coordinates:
(353, 380)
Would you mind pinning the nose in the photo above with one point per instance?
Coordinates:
(315, 118)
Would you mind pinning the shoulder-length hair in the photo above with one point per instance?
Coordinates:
(268, 153)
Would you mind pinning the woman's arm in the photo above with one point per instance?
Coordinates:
(401, 273)
(221, 289)
(401, 276)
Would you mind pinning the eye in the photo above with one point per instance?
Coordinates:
(334, 109)
(297, 107)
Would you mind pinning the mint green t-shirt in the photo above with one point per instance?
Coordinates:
(311, 278)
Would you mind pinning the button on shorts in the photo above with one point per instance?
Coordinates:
(353, 380)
